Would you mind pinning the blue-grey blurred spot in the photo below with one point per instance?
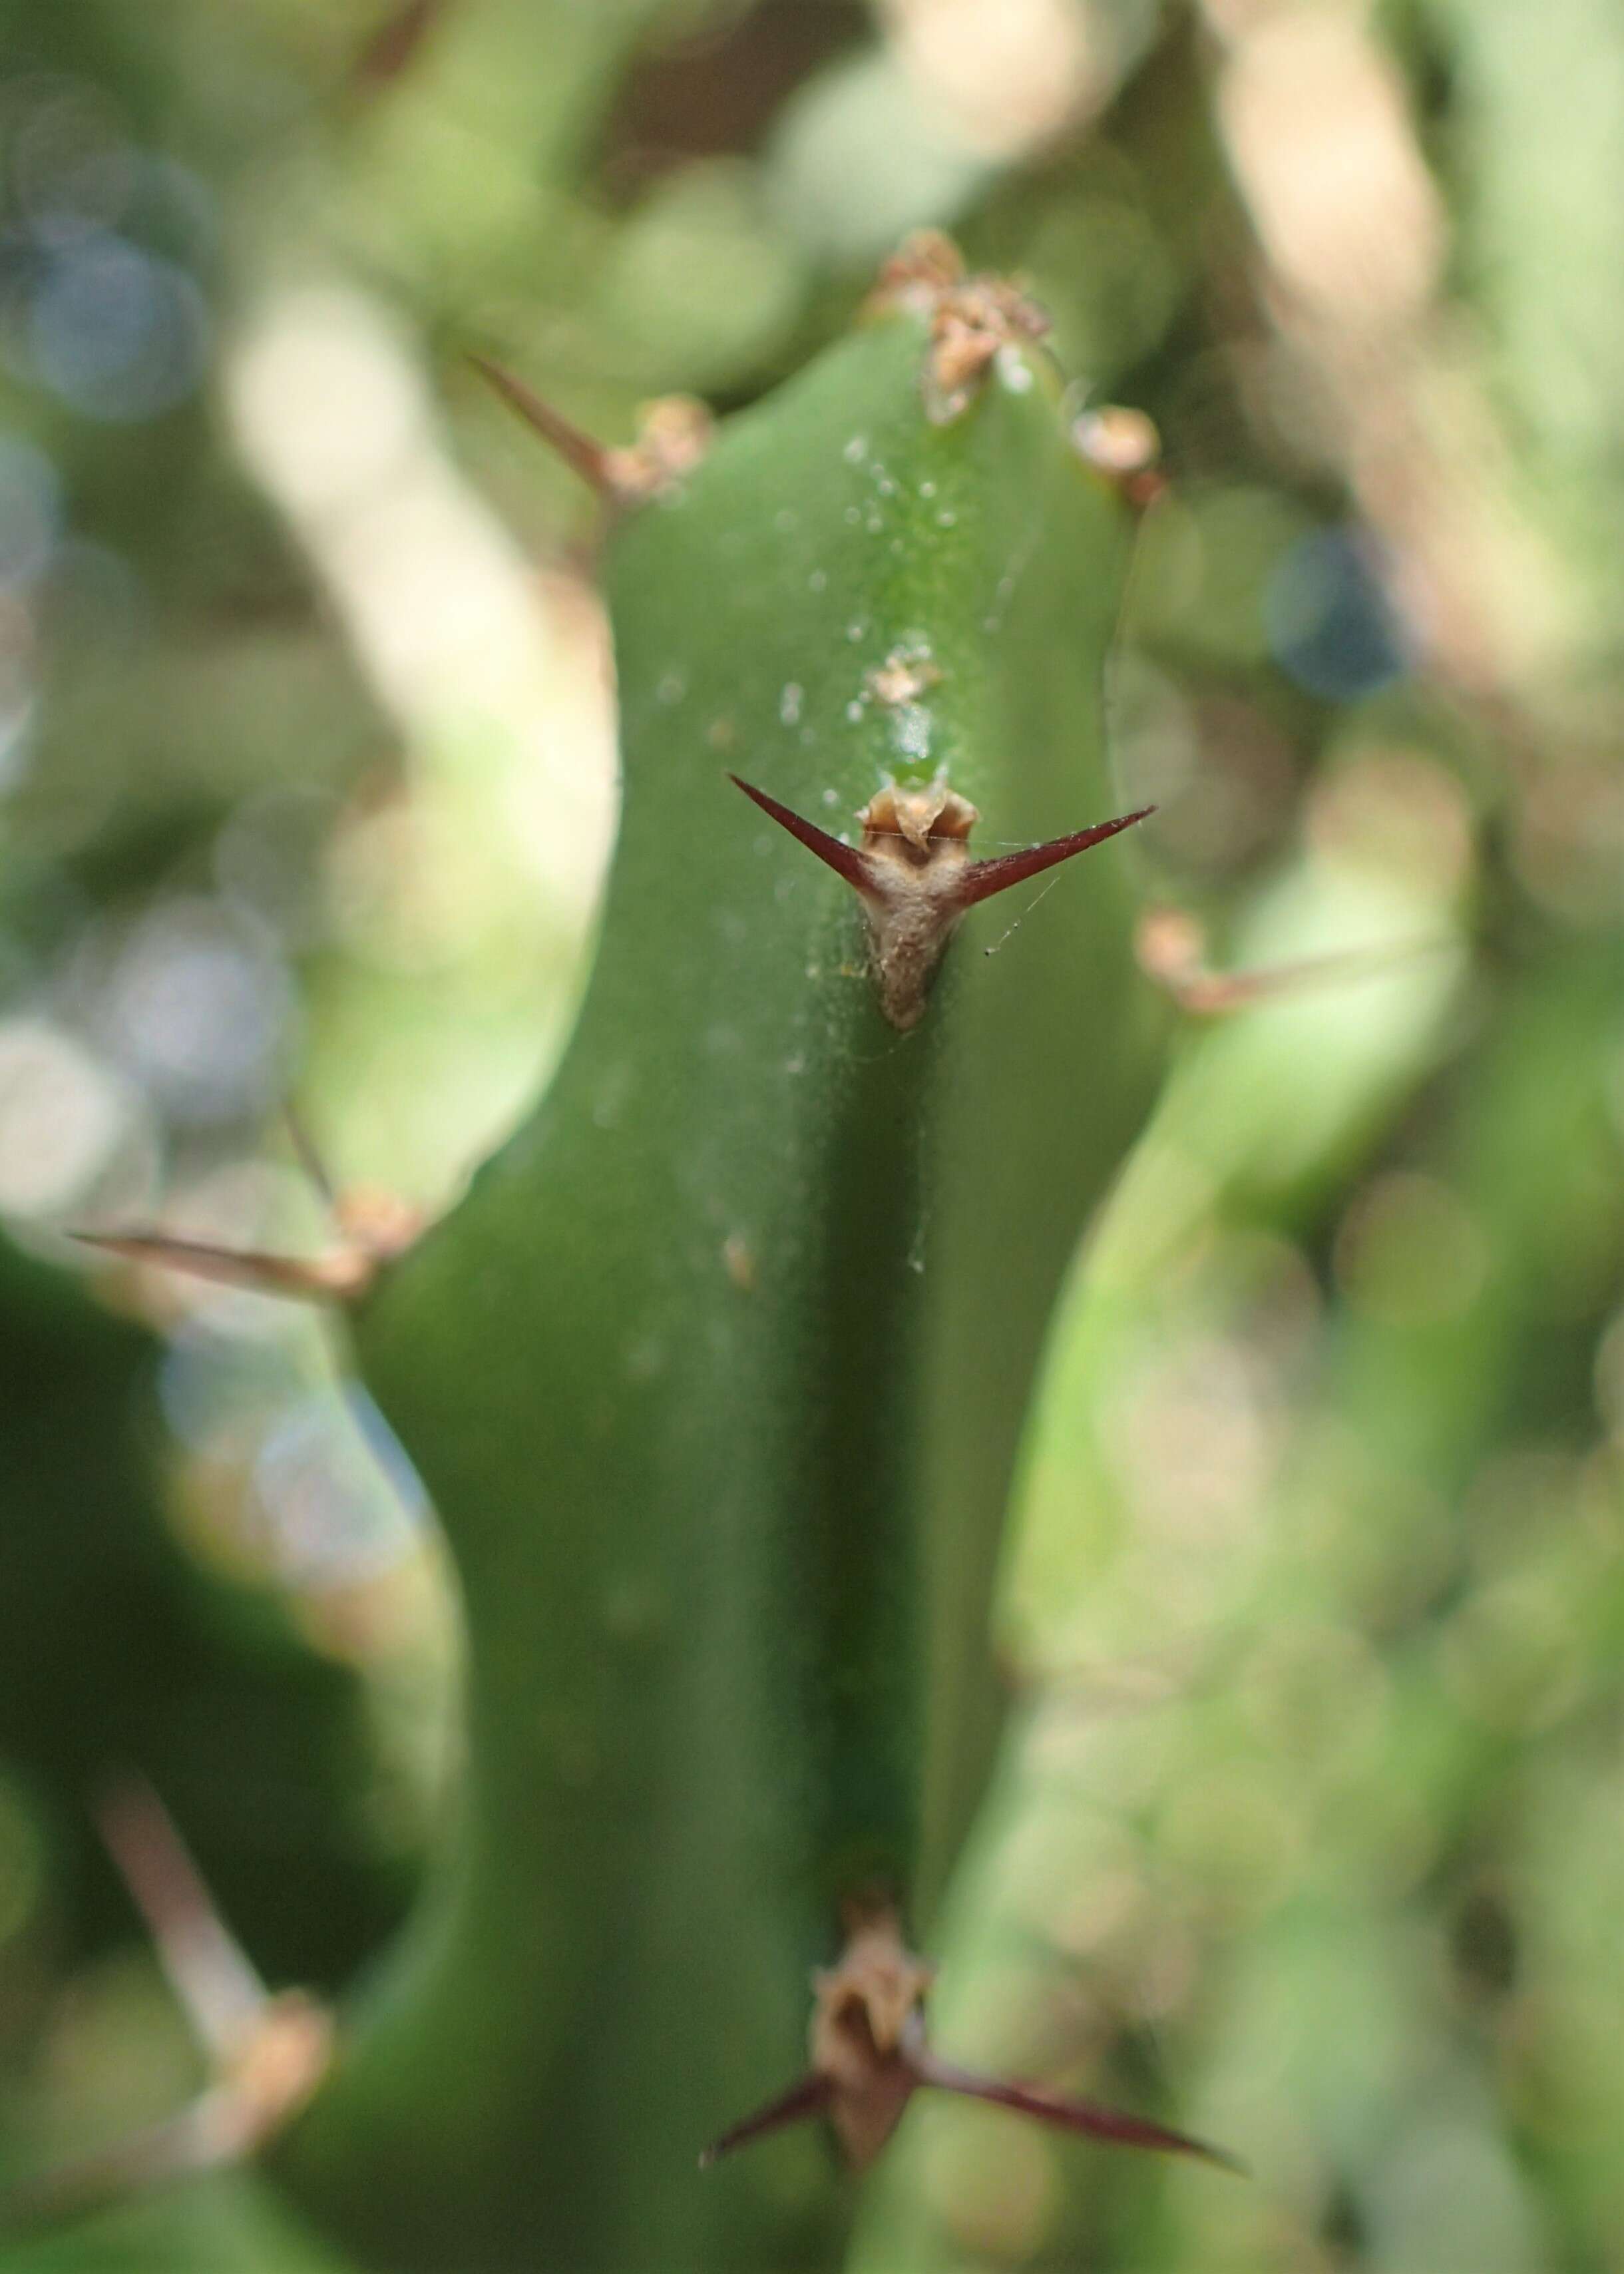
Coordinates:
(268, 857)
(94, 611)
(390, 1454)
(120, 334)
(30, 511)
(70, 165)
(212, 1380)
(20, 715)
(172, 211)
(1329, 624)
(196, 1005)
(337, 1512)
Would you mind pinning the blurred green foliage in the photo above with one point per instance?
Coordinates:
(1306, 1824)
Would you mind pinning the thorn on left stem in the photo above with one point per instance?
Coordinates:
(267, 2054)
(374, 1229)
(673, 436)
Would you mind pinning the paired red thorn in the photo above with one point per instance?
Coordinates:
(869, 2054)
(813, 2094)
(1090, 2118)
(913, 874)
(974, 882)
(807, 2097)
(844, 859)
(983, 878)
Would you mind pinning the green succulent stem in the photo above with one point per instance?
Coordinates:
(717, 1373)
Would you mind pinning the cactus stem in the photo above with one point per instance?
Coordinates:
(915, 878)
(869, 2055)
(673, 435)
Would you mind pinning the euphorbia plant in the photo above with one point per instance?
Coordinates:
(716, 1373)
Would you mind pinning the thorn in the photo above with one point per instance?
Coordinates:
(1124, 446)
(394, 45)
(338, 1276)
(673, 436)
(1171, 950)
(1087, 2117)
(308, 1156)
(982, 878)
(844, 859)
(198, 2139)
(869, 2054)
(266, 2054)
(593, 461)
(212, 1978)
(276, 2072)
(807, 2098)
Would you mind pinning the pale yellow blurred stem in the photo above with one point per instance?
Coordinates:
(1353, 238)
(472, 855)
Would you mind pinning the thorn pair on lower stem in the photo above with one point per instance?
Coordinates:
(869, 2055)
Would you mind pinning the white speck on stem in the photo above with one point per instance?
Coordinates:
(816, 581)
(911, 726)
(1014, 371)
(790, 701)
(854, 449)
